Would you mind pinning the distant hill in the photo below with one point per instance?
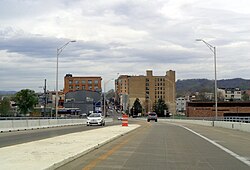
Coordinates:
(204, 85)
(7, 92)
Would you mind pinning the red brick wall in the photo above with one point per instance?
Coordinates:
(210, 111)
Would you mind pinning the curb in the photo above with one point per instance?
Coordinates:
(67, 160)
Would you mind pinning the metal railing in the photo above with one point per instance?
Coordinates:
(237, 119)
(242, 119)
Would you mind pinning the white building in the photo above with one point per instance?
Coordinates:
(231, 94)
(181, 105)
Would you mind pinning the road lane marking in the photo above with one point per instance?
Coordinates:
(242, 159)
(103, 157)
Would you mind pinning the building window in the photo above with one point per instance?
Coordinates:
(90, 87)
(83, 87)
(77, 82)
(77, 87)
(70, 82)
(89, 81)
(71, 87)
(83, 81)
(96, 87)
(96, 81)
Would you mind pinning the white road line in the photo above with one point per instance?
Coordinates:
(242, 159)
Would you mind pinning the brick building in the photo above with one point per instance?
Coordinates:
(81, 83)
(148, 89)
(207, 109)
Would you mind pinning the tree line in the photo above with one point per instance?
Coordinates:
(159, 107)
(25, 100)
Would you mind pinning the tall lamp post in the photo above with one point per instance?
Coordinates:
(104, 97)
(58, 52)
(213, 49)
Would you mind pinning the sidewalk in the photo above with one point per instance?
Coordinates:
(53, 152)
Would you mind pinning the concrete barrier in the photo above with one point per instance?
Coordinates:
(198, 122)
(6, 125)
(233, 125)
(230, 125)
(16, 125)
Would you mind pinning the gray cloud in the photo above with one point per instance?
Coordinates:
(122, 36)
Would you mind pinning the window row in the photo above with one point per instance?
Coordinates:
(160, 97)
(83, 87)
(159, 88)
(83, 82)
(159, 92)
(159, 79)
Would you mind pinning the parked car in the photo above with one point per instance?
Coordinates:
(119, 118)
(152, 116)
(95, 119)
(83, 115)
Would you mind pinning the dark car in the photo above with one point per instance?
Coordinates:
(152, 116)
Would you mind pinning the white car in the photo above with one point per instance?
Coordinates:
(95, 119)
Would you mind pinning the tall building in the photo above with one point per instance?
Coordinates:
(148, 89)
(81, 83)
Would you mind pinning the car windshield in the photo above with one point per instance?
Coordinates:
(152, 114)
(95, 115)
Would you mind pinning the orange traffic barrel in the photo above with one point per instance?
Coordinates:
(124, 120)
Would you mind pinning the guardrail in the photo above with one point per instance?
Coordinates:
(237, 119)
(225, 119)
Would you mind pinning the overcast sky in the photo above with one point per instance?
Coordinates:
(121, 36)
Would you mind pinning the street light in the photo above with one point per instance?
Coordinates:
(58, 52)
(104, 96)
(213, 49)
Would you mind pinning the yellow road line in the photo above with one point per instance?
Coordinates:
(103, 157)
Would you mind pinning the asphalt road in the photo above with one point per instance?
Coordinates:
(18, 137)
(158, 145)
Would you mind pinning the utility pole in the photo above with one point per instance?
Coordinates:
(45, 97)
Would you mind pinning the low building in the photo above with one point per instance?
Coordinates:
(207, 109)
(181, 105)
(231, 94)
(85, 101)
